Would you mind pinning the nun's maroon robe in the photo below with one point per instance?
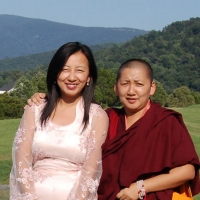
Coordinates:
(156, 143)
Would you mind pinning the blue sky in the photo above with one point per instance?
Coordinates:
(140, 14)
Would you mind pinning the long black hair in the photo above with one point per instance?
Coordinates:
(55, 67)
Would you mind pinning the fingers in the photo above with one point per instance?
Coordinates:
(29, 103)
(38, 98)
(126, 194)
(41, 95)
(120, 194)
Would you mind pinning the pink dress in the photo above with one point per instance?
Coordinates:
(58, 162)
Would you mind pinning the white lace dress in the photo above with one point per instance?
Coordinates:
(58, 162)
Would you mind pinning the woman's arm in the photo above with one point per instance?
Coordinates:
(89, 178)
(175, 178)
(22, 176)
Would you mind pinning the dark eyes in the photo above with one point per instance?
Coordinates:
(78, 70)
(65, 69)
(124, 84)
(138, 84)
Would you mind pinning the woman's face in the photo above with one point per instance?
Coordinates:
(74, 76)
(134, 88)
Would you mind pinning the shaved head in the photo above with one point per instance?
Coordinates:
(136, 63)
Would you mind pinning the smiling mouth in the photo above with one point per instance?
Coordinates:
(71, 86)
(131, 100)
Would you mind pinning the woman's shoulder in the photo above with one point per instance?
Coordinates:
(35, 108)
(96, 109)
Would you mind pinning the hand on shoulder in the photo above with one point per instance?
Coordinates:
(37, 99)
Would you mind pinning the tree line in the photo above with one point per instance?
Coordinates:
(12, 104)
(174, 54)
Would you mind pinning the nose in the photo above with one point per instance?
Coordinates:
(131, 90)
(72, 76)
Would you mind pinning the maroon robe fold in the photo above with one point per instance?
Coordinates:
(156, 143)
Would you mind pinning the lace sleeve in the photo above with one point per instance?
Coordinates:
(86, 186)
(21, 176)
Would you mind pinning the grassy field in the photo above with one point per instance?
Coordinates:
(7, 132)
(191, 116)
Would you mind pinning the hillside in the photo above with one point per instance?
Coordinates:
(174, 54)
(21, 36)
(33, 60)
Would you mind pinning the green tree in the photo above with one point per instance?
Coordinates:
(24, 88)
(39, 80)
(105, 83)
(168, 61)
(98, 95)
(196, 96)
(181, 97)
(11, 107)
(160, 95)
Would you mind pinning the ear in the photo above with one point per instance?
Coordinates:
(116, 91)
(153, 88)
(88, 79)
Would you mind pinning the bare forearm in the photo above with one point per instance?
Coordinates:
(175, 178)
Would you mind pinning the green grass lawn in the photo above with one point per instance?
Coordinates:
(191, 116)
(7, 132)
(4, 193)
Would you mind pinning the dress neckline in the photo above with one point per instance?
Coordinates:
(77, 116)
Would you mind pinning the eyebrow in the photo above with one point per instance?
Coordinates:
(135, 80)
(127, 80)
(138, 80)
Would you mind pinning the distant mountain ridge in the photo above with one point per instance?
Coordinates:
(174, 54)
(21, 36)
